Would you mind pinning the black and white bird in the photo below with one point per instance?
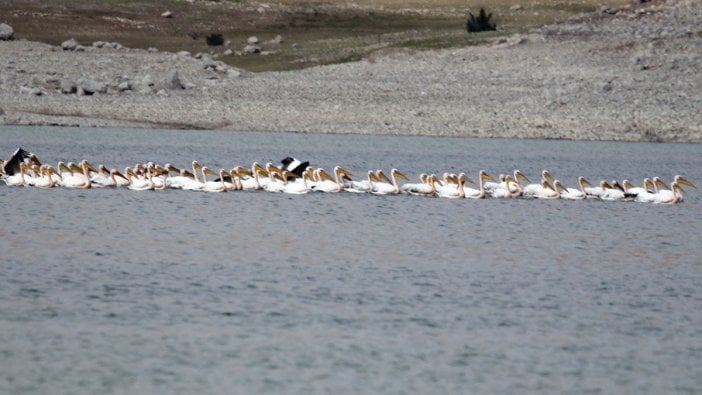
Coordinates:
(294, 166)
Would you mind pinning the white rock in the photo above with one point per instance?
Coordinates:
(69, 45)
(167, 14)
(252, 40)
(6, 32)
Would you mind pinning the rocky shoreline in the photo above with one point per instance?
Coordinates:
(632, 74)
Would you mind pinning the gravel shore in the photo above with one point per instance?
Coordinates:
(633, 74)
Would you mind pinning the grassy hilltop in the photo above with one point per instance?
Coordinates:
(313, 32)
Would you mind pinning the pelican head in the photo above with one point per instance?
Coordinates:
(323, 175)
(271, 168)
(660, 183)
(196, 165)
(86, 164)
(627, 185)
(116, 173)
(242, 171)
(342, 172)
(371, 175)
(381, 176)
(485, 176)
(172, 169)
(558, 185)
(583, 181)
(396, 173)
(681, 181)
(546, 185)
(647, 184)
(207, 170)
(257, 168)
(547, 176)
(617, 185)
(518, 174)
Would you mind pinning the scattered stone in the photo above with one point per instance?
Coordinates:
(173, 81)
(152, 50)
(252, 40)
(189, 85)
(99, 44)
(295, 45)
(80, 48)
(91, 87)
(198, 55)
(607, 86)
(69, 45)
(227, 52)
(184, 53)
(277, 40)
(228, 43)
(68, 86)
(162, 92)
(25, 90)
(6, 32)
(251, 49)
(515, 7)
(124, 86)
(167, 14)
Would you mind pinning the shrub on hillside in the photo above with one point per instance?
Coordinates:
(214, 39)
(481, 23)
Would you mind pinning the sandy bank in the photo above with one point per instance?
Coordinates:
(634, 75)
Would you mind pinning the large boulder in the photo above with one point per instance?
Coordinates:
(6, 32)
(91, 87)
(69, 45)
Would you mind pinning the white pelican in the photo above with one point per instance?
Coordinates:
(667, 196)
(276, 182)
(213, 186)
(137, 183)
(490, 186)
(615, 192)
(513, 189)
(596, 192)
(325, 182)
(78, 180)
(17, 177)
(363, 186)
(107, 178)
(301, 185)
(453, 190)
(388, 188)
(633, 191)
(479, 193)
(423, 188)
(45, 180)
(251, 180)
(573, 193)
(547, 191)
(427, 186)
(535, 190)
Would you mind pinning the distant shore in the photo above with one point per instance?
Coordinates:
(630, 75)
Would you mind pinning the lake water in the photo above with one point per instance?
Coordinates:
(123, 292)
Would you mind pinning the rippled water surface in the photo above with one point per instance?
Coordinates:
(122, 292)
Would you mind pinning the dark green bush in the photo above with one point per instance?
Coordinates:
(481, 23)
(214, 39)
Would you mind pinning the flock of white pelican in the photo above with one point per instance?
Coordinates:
(295, 177)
